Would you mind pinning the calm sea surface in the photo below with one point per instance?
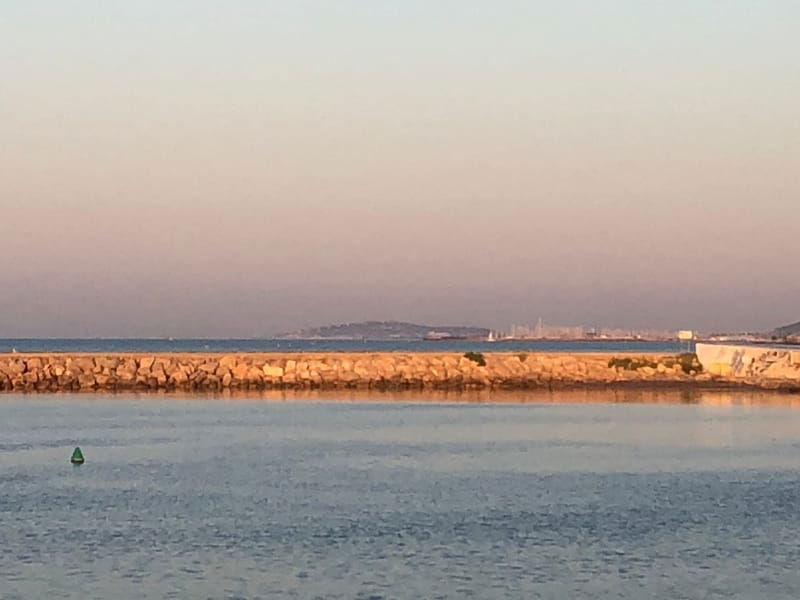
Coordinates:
(274, 345)
(694, 496)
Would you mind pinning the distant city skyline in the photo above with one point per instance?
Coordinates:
(249, 168)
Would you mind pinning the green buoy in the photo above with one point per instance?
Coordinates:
(77, 457)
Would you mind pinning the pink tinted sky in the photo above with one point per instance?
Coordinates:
(193, 169)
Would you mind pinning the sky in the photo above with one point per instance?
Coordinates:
(244, 168)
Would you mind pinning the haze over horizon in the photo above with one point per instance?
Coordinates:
(197, 169)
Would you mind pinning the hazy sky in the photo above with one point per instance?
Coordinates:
(198, 168)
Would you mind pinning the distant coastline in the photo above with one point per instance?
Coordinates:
(387, 330)
(541, 332)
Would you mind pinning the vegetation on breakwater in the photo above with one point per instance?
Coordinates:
(687, 361)
(476, 357)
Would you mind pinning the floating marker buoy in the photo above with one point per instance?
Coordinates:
(77, 457)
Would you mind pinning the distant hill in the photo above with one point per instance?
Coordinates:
(387, 330)
(787, 330)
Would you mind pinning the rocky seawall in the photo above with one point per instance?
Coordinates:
(389, 371)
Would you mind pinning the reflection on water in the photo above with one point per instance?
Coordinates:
(570, 494)
(631, 395)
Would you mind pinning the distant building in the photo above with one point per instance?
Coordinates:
(576, 332)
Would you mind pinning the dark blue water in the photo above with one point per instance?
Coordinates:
(209, 498)
(273, 345)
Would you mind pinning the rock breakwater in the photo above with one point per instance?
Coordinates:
(208, 372)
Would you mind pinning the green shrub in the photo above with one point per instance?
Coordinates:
(522, 356)
(630, 364)
(689, 363)
(619, 363)
(476, 357)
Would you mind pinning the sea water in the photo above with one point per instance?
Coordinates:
(351, 497)
(112, 345)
